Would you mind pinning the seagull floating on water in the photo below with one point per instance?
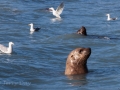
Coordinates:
(58, 11)
(7, 50)
(110, 18)
(32, 29)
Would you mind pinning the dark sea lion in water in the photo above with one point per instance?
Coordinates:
(77, 61)
(82, 31)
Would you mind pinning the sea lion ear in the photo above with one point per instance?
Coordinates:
(73, 59)
(71, 55)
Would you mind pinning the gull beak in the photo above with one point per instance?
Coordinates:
(47, 9)
(106, 14)
(50, 9)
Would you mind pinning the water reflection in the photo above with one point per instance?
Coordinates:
(56, 19)
(31, 32)
(77, 80)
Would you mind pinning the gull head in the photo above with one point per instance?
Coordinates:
(11, 43)
(107, 14)
(51, 9)
(30, 24)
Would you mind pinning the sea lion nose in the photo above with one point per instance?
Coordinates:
(87, 51)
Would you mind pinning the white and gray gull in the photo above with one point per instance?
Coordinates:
(7, 50)
(109, 18)
(32, 29)
(58, 11)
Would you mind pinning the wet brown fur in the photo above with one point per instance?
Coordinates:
(82, 31)
(77, 61)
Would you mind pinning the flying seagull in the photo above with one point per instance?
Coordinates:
(7, 50)
(110, 18)
(58, 11)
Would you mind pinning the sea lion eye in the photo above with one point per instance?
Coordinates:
(80, 51)
(71, 55)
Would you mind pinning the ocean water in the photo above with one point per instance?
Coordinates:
(38, 60)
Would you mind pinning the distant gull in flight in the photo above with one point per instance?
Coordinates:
(7, 50)
(110, 18)
(58, 11)
(32, 29)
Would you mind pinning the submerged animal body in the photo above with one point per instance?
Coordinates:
(58, 11)
(82, 31)
(77, 61)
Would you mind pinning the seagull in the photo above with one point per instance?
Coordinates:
(110, 18)
(7, 50)
(58, 11)
(33, 29)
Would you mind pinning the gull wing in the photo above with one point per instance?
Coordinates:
(3, 48)
(37, 29)
(114, 18)
(60, 8)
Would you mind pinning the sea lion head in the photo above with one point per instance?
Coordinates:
(77, 60)
(82, 31)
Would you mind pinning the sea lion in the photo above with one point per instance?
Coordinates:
(82, 31)
(77, 60)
